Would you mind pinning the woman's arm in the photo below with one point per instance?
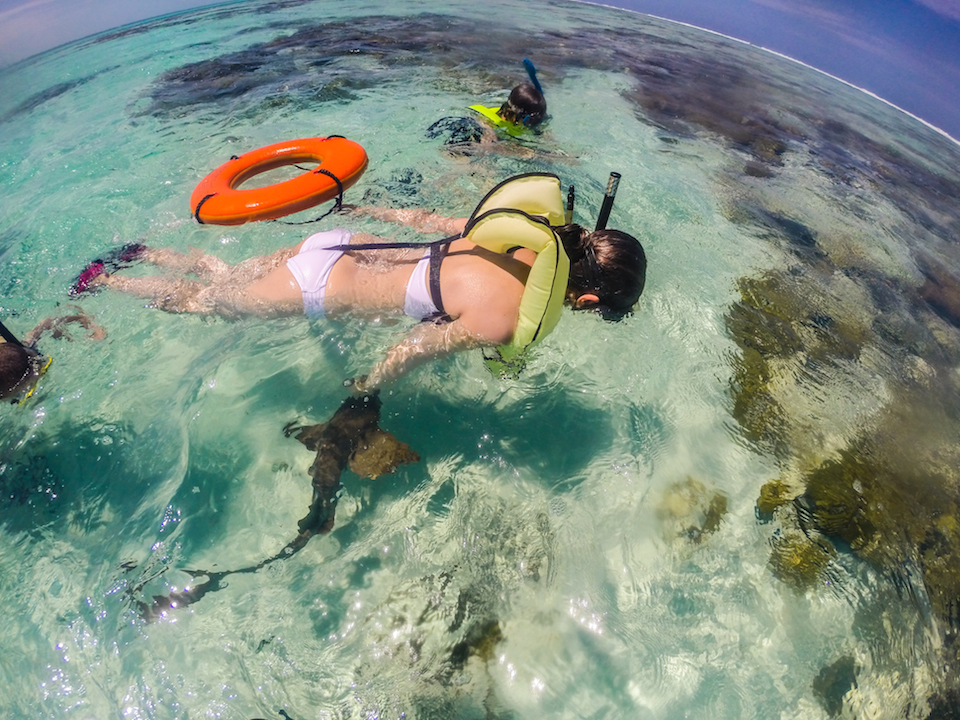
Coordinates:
(427, 341)
(55, 325)
(419, 219)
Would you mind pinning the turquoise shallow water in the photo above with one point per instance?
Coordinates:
(582, 541)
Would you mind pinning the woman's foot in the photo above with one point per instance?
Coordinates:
(88, 279)
(116, 259)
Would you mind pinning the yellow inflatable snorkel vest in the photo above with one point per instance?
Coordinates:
(521, 212)
(492, 114)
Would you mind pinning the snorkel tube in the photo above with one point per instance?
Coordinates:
(608, 197)
(532, 72)
(9, 336)
(568, 213)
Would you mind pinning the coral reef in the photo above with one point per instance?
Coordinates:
(689, 509)
(885, 488)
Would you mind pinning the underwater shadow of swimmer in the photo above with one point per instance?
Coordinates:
(351, 438)
(552, 429)
(550, 432)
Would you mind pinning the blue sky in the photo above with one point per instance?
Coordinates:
(905, 51)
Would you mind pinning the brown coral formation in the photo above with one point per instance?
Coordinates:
(889, 490)
(691, 510)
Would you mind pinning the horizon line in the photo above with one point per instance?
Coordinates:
(779, 54)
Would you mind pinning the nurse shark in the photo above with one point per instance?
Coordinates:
(351, 438)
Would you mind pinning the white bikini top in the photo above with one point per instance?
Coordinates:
(418, 302)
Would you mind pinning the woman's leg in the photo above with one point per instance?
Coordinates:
(256, 268)
(173, 295)
(196, 262)
(272, 296)
(224, 290)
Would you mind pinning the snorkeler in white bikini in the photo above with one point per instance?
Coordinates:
(468, 296)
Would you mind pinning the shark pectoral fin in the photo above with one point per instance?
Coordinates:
(378, 453)
(309, 435)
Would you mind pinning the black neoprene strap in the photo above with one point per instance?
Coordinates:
(437, 253)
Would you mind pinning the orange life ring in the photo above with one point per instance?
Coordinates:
(218, 200)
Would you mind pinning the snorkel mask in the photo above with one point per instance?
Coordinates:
(38, 365)
(512, 119)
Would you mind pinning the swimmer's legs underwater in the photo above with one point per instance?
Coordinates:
(221, 289)
(195, 262)
(212, 268)
(171, 294)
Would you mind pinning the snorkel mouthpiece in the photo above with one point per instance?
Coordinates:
(608, 197)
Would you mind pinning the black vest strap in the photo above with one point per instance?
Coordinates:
(437, 253)
(394, 245)
(438, 250)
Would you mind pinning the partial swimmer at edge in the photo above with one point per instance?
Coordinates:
(21, 362)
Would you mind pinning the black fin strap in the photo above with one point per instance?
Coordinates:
(196, 213)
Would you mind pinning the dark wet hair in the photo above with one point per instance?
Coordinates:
(15, 365)
(526, 105)
(608, 263)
